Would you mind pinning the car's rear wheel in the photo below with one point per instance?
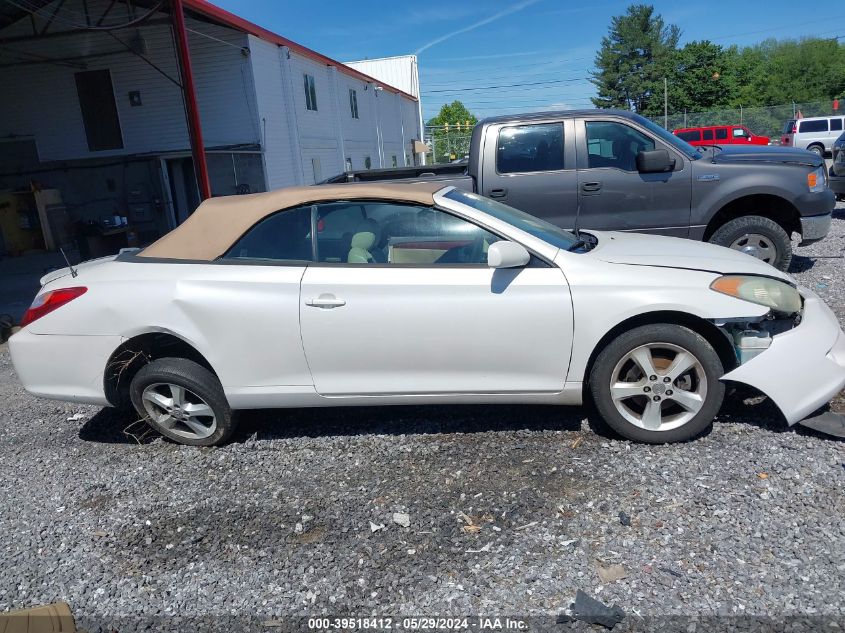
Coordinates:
(817, 149)
(658, 384)
(757, 236)
(183, 401)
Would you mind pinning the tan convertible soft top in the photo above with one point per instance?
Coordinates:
(218, 222)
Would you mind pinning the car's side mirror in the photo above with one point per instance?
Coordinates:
(506, 254)
(654, 161)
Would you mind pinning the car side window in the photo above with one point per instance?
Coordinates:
(721, 133)
(283, 236)
(528, 148)
(393, 233)
(813, 126)
(707, 135)
(690, 135)
(739, 132)
(611, 144)
(836, 124)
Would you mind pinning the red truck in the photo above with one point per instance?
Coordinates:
(720, 135)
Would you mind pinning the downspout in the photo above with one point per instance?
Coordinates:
(379, 146)
(183, 54)
(341, 145)
(291, 116)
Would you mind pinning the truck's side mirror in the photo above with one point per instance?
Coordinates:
(654, 161)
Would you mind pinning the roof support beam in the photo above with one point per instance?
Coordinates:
(52, 16)
(68, 33)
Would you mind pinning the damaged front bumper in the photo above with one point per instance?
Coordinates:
(804, 367)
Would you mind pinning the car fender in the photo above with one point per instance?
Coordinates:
(607, 295)
(710, 196)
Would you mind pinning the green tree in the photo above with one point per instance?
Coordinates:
(450, 131)
(633, 59)
(703, 77)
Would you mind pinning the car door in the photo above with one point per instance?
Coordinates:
(613, 195)
(433, 318)
(531, 167)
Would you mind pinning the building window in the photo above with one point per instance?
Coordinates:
(310, 93)
(348, 164)
(407, 160)
(367, 162)
(317, 169)
(99, 110)
(353, 103)
(394, 161)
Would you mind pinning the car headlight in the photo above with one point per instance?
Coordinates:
(817, 180)
(764, 291)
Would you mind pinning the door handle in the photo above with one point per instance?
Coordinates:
(325, 301)
(591, 186)
(498, 193)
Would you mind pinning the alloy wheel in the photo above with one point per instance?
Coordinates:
(658, 387)
(179, 410)
(756, 245)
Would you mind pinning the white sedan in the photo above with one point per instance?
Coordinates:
(407, 294)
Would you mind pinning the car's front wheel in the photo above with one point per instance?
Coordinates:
(658, 384)
(182, 400)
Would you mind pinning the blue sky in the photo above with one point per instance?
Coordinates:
(475, 51)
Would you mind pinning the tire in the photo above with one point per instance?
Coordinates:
(698, 387)
(183, 401)
(758, 236)
(817, 149)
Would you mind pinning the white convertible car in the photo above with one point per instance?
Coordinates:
(408, 294)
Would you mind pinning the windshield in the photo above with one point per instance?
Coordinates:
(541, 229)
(681, 145)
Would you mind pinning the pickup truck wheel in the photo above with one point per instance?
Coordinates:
(658, 384)
(183, 401)
(756, 236)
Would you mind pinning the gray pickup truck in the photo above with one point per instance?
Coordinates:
(615, 170)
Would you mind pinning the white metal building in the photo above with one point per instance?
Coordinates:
(401, 72)
(99, 115)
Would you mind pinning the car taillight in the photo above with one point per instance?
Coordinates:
(49, 301)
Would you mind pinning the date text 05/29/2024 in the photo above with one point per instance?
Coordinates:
(376, 623)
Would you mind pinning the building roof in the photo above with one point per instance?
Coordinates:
(219, 222)
(215, 13)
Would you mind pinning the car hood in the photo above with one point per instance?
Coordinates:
(764, 154)
(636, 249)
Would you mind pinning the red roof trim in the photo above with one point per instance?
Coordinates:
(230, 19)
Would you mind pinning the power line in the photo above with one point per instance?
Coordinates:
(516, 75)
(498, 67)
(536, 83)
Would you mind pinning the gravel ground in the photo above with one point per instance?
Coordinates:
(747, 521)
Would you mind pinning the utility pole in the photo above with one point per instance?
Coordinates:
(665, 103)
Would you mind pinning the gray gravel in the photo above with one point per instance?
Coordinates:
(510, 511)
